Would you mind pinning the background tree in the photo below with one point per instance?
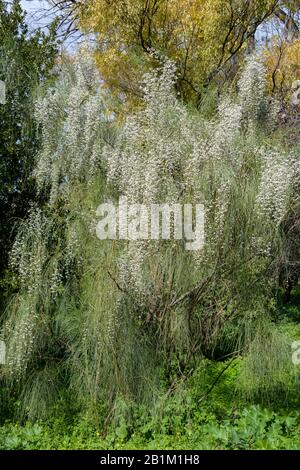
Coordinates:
(203, 37)
(206, 38)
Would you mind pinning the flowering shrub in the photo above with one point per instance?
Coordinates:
(103, 310)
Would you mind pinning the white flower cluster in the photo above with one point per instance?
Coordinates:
(252, 90)
(33, 261)
(226, 130)
(41, 276)
(21, 336)
(151, 145)
(29, 252)
(70, 116)
(275, 185)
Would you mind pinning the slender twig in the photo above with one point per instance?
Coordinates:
(216, 380)
(116, 282)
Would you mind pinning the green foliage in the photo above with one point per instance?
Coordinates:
(252, 428)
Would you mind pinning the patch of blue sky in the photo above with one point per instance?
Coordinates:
(40, 14)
